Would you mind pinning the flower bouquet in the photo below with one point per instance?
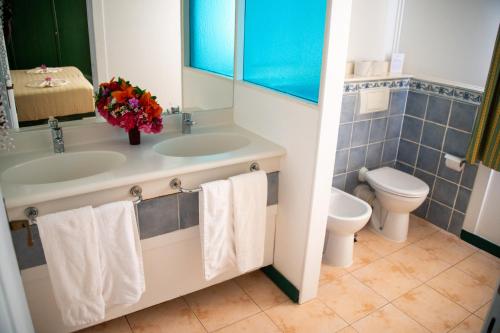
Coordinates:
(129, 107)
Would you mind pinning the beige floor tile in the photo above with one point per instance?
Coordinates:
(350, 298)
(221, 305)
(260, 323)
(388, 320)
(482, 267)
(262, 290)
(172, 316)
(431, 309)
(446, 246)
(118, 325)
(362, 256)
(419, 229)
(312, 316)
(387, 278)
(347, 329)
(377, 243)
(470, 325)
(462, 289)
(483, 311)
(330, 273)
(418, 262)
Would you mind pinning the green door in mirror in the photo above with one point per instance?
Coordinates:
(50, 32)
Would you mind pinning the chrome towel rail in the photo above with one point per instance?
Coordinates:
(31, 214)
(176, 183)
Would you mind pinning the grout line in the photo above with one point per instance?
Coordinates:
(192, 311)
(438, 124)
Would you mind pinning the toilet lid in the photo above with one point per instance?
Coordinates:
(397, 182)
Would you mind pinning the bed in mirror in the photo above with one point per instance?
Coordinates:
(60, 51)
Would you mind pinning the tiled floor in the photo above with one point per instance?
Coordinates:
(434, 282)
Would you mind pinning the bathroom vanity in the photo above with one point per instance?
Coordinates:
(168, 219)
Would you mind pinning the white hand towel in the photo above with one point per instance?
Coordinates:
(121, 254)
(71, 246)
(216, 228)
(250, 204)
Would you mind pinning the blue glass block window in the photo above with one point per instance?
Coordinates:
(284, 45)
(211, 35)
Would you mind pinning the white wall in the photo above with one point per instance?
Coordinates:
(205, 91)
(140, 41)
(373, 29)
(308, 133)
(449, 39)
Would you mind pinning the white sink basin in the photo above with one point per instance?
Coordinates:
(63, 167)
(192, 145)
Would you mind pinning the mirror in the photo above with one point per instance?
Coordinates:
(59, 51)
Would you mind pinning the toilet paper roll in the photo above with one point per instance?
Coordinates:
(454, 162)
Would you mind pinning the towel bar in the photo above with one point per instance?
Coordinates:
(31, 214)
(176, 183)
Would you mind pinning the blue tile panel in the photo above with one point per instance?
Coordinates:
(447, 114)
(157, 216)
(368, 140)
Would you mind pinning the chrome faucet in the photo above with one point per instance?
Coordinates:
(57, 135)
(187, 123)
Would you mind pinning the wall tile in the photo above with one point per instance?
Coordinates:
(447, 173)
(463, 198)
(462, 116)
(398, 102)
(407, 152)
(378, 129)
(421, 211)
(404, 167)
(456, 142)
(456, 223)
(351, 181)
(360, 131)
(344, 137)
(188, 210)
(439, 215)
(341, 158)
(356, 158)
(469, 175)
(428, 159)
(348, 106)
(433, 135)
(438, 109)
(412, 129)
(158, 216)
(374, 155)
(444, 192)
(394, 127)
(339, 181)
(416, 104)
(273, 184)
(28, 256)
(427, 178)
(390, 150)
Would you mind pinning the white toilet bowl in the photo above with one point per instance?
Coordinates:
(396, 195)
(347, 215)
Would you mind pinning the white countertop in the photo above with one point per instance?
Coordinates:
(143, 164)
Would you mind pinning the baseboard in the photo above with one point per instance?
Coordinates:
(481, 243)
(282, 282)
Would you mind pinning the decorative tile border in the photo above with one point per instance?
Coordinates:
(455, 92)
(354, 87)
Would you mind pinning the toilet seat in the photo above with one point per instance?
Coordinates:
(397, 182)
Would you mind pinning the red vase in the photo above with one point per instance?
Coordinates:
(134, 136)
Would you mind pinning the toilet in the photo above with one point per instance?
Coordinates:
(346, 216)
(396, 195)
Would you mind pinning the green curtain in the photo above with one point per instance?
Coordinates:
(485, 141)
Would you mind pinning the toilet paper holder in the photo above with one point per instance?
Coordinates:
(454, 162)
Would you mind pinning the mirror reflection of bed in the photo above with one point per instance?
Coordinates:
(60, 92)
(50, 62)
